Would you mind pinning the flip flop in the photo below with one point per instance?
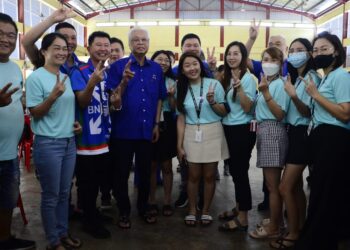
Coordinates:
(261, 233)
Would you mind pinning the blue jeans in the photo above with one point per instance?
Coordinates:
(9, 183)
(55, 161)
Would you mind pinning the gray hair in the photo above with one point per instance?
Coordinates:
(137, 28)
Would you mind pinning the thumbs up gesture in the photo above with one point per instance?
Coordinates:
(59, 88)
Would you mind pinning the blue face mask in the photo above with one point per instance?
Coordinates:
(298, 59)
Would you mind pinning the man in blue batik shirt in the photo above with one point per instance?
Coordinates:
(140, 84)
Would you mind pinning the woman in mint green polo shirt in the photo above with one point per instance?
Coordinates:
(240, 88)
(328, 216)
(272, 139)
(51, 102)
(200, 136)
(300, 65)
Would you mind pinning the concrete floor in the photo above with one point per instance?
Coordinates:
(168, 233)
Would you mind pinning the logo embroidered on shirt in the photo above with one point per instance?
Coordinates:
(154, 77)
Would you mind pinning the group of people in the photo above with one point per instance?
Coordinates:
(92, 120)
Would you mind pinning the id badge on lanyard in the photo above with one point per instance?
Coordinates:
(199, 133)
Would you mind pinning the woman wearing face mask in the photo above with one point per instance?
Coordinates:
(201, 141)
(300, 65)
(164, 150)
(272, 140)
(240, 90)
(51, 101)
(328, 217)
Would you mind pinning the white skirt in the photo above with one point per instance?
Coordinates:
(212, 148)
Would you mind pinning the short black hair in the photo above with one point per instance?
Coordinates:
(64, 25)
(97, 34)
(190, 36)
(4, 18)
(117, 40)
(335, 41)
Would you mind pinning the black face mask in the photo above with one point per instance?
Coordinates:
(323, 61)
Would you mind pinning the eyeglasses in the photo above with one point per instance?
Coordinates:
(323, 50)
(10, 36)
(140, 40)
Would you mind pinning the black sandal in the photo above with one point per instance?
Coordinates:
(283, 243)
(70, 242)
(225, 227)
(124, 222)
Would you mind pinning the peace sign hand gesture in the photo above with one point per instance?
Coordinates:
(5, 95)
(254, 30)
(236, 83)
(98, 74)
(289, 87)
(263, 85)
(59, 88)
(211, 59)
(128, 74)
(211, 93)
(310, 87)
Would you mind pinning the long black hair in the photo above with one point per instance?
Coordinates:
(45, 44)
(242, 66)
(169, 73)
(182, 80)
(310, 65)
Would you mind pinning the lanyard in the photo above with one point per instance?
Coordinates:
(198, 107)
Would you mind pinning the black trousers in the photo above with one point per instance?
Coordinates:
(240, 142)
(89, 174)
(328, 217)
(122, 151)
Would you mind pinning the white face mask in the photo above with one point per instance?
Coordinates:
(270, 69)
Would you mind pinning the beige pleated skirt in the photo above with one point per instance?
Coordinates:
(213, 146)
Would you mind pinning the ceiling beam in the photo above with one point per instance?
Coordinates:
(88, 6)
(332, 7)
(127, 7)
(314, 6)
(266, 6)
(287, 3)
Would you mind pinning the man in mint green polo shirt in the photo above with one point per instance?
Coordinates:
(11, 128)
